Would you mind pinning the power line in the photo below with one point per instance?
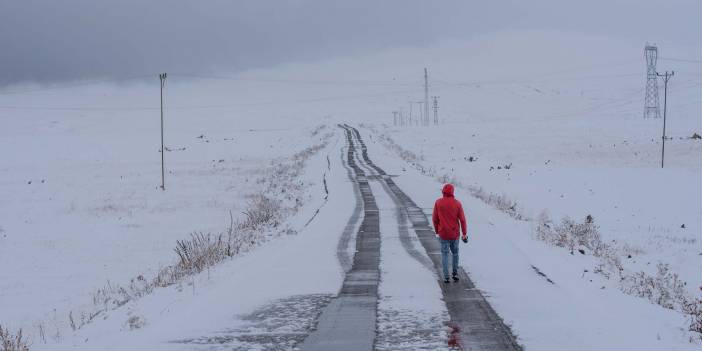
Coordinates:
(680, 60)
(297, 81)
(508, 81)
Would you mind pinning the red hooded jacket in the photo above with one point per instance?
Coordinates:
(448, 214)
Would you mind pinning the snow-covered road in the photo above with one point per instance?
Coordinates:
(408, 307)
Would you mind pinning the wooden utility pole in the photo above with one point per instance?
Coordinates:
(425, 120)
(666, 78)
(162, 77)
(436, 110)
(420, 119)
(410, 112)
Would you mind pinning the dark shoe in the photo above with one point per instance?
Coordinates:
(446, 280)
(455, 277)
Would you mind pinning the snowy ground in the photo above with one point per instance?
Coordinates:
(81, 205)
(81, 200)
(575, 147)
(411, 315)
(579, 310)
(651, 214)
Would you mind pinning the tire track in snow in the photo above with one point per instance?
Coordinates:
(411, 314)
(408, 241)
(349, 321)
(342, 249)
(475, 324)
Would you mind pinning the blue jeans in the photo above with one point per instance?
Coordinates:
(447, 245)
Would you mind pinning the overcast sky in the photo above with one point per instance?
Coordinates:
(57, 40)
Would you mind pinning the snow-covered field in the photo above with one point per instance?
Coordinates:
(81, 200)
(575, 310)
(573, 143)
(81, 206)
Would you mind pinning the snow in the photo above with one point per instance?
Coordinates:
(216, 302)
(411, 314)
(569, 124)
(575, 312)
(82, 206)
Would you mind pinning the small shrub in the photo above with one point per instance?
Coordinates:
(13, 342)
(318, 129)
(71, 322)
(665, 288)
(693, 308)
(262, 211)
(499, 202)
(570, 234)
(200, 251)
(111, 296)
(584, 236)
(135, 322)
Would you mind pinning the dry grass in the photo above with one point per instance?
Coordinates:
(280, 197)
(500, 202)
(200, 251)
(13, 342)
(135, 322)
(262, 211)
(665, 288)
(581, 236)
(572, 235)
(693, 309)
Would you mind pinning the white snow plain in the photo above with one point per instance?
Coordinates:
(569, 123)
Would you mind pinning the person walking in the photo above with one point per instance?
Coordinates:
(449, 220)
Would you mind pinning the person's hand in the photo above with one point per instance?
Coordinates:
(465, 239)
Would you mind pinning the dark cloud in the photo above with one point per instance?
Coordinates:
(48, 40)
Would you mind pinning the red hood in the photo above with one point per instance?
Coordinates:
(447, 190)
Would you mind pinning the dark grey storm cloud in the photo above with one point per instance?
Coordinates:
(54, 40)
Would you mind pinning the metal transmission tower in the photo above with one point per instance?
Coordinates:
(425, 120)
(651, 105)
